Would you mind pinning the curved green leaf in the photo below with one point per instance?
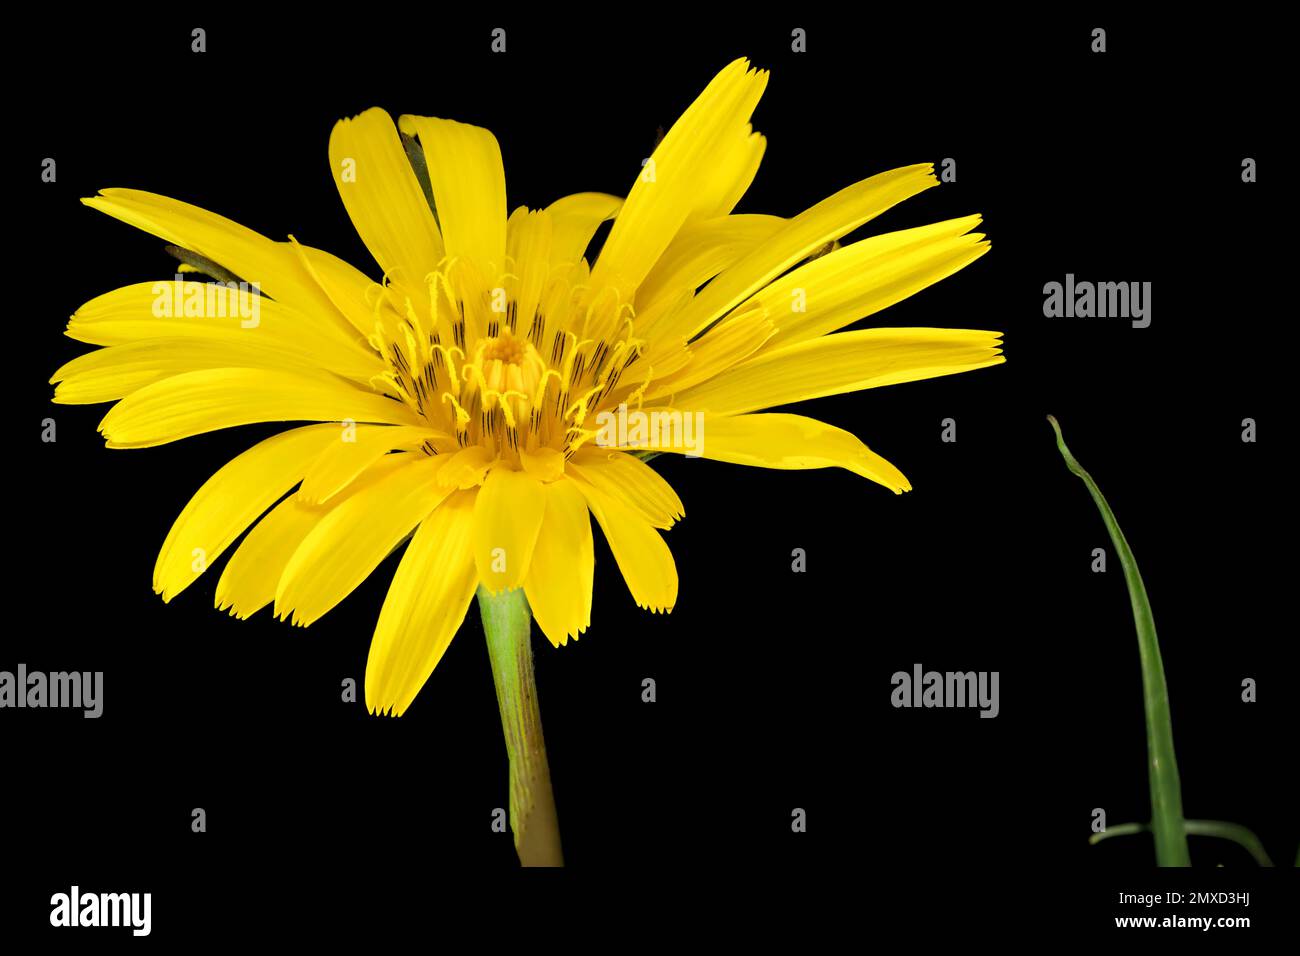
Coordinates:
(1167, 822)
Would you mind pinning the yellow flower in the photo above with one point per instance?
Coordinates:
(464, 400)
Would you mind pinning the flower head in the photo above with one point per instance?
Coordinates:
(477, 398)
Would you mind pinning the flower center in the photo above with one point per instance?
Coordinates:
(487, 375)
(505, 349)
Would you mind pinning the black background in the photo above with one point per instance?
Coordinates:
(773, 687)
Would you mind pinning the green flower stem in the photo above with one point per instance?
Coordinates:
(507, 622)
(1234, 832)
(1166, 794)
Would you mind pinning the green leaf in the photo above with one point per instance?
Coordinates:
(206, 266)
(1167, 822)
(1233, 832)
(415, 156)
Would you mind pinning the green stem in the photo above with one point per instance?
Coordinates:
(1166, 793)
(507, 622)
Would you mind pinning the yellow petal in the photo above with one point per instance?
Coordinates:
(724, 346)
(350, 541)
(642, 555)
(544, 464)
(247, 584)
(790, 442)
(346, 286)
(507, 518)
(700, 251)
(465, 468)
(273, 266)
(731, 173)
(865, 277)
(668, 190)
(558, 586)
(196, 402)
(469, 188)
(844, 362)
(356, 450)
(631, 480)
(108, 374)
(384, 198)
(799, 237)
(426, 603)
(213, 312)
(530, 258)
(575, 219)
(231, 500)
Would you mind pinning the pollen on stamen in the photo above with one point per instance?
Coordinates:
(490, 383)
